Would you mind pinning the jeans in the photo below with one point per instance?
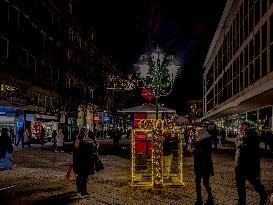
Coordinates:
(81, 183)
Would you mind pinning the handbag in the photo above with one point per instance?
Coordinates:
(99, 165)
(70, 174)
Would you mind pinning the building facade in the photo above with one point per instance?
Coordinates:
(51, 73)
(238, 69)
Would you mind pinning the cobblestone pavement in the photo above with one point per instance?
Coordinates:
(39, 178)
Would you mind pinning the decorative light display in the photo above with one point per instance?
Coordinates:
(160, 129)
(115, 82)
(157, 71)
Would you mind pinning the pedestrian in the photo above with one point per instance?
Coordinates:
(247, 163)
(27, 137)
(20, 134)
(83, 163)
(267, 137)
(116, 135)
(203, 165)
(59, 141)
(167, 155)
(6, 150)
(214, 135)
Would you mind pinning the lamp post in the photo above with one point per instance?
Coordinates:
(157, 71)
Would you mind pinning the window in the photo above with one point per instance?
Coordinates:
(4, 13)
(264, 6)
(257, 44)
(271, 58)
(32, 63)
(264, 63)
(271, 28)
(257, 12)
(264, 36)
(257, 69)
(4, 47)
(23, 58)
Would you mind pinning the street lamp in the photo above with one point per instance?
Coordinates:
(157, 72)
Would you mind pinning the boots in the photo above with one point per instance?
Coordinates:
(209, 201)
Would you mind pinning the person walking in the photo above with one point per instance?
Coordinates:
(27, 137)
(83, 162)
(6, 150)
(59, 141)
(203, 165)
(167, 155)
(247, 163)
(20, 137)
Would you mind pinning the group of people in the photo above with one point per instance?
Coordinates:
(247, 163)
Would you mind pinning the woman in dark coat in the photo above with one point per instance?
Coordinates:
(6, 150)
(83, 163)
(203, 166)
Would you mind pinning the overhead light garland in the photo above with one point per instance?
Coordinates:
(115, 82)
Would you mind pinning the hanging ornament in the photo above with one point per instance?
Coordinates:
(147, 93)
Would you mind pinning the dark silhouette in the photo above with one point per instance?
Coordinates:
(83, 160)
(247, 161)
(203, 165)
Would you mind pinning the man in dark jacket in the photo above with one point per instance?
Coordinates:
(203, 166)
(247, 162)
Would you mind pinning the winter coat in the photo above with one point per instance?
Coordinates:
(60, 139)
(247, 157)
(83, 158)
(167, 146)
(203, 165)
(5, 145)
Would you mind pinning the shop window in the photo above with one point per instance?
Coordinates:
(252, 118)
(265, 117)
(4, 47)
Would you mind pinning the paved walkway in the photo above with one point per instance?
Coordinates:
(39, 178)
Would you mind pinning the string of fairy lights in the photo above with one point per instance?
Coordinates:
(160, 129)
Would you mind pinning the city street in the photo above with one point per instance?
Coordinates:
(39, 178)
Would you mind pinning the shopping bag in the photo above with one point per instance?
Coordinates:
(70, 174)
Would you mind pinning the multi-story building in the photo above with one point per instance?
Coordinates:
(51, 73)
(238, 69)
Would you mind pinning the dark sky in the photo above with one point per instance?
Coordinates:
(181, 28)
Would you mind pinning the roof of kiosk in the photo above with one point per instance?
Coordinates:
(147, 108)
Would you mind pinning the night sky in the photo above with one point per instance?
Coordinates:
(181, 28)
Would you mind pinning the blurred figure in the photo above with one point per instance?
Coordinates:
(59, 141)
(203, 165)
(214, 135)
(6, 150)
(20, 137)
(27, 137)
(167, 154)
(83, 160)
(247, 163)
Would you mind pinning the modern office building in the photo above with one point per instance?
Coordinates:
(238, 69)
